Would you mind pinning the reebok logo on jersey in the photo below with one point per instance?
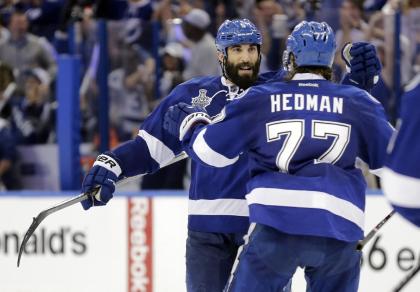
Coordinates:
(308, 84)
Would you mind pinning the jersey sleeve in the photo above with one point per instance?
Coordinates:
(401, 179)
(220, 143)
(376, 131)
(152, 148)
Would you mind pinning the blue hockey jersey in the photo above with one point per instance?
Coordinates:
(216, 196)
(401, 177)
(302, 138)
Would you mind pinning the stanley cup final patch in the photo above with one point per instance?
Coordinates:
(202, 99)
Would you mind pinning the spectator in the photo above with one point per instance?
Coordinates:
(201, 45)
(4, 33)
(33, 115)
(224, 9)
(381, 33)
(6, 9)
(131, 85)
(409, 36)
(140, 9)
(23, 50)
(172, 176)
(8, 156)
(272, 21)
(7, 91)
(44, 17)
(352, 27)
(173, 66)
(165, 13)
(9, 179)
(243, 8)
(295, 11)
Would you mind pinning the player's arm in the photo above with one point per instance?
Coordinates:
(362, 64)
(401, 176)
(216, 143)
(376, 132)
(151, 149)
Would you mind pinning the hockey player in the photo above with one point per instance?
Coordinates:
(217, 210)
(302, 137)
(401, 176)
(218, 213)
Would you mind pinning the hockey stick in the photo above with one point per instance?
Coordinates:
(407, 278)
(42, 215)
(373, 232)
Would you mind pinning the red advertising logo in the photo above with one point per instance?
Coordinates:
(140, 245)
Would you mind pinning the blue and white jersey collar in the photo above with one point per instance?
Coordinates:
(233, 89)
(307, 76)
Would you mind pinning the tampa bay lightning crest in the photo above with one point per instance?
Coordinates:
(202, 99)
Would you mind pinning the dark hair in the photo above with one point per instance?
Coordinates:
(192, 32)
(6, 76)
(325, 72)
(18, 9)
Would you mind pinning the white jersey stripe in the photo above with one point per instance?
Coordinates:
(232, 207)
(208, 155)
(307, 199)
(401, 190)
(161, 153)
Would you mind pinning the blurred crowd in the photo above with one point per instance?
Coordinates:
(156, 44)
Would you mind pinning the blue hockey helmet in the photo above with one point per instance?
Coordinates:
(312, 44)
(236, 32)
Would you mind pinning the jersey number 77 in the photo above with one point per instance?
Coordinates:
(294, 130)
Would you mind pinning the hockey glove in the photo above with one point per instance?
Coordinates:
(181, 118)
(362, 64)
(101, 177)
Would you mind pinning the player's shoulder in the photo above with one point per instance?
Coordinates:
(203, 81)
(410, 101)
(354, 94)
(194, 86)
(263, 77)
(412, 91)
(413, 85)
(269, 87)
(271, 76)
(254, 93)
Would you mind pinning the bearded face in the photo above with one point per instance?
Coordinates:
(244, 74)
(241, 64)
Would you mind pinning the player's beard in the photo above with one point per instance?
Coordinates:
(245, 81)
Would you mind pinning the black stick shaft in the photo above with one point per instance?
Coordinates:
(41, 216)
(373, 232)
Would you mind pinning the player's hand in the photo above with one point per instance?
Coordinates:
(362, 63)
(101, 178)
(180, 118)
